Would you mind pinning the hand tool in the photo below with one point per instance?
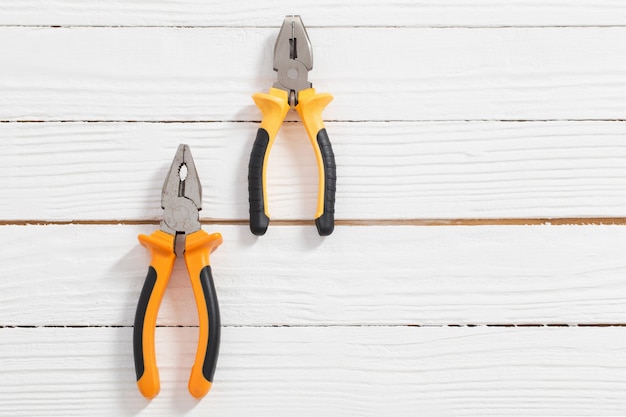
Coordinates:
(293, 59)
(180, 233)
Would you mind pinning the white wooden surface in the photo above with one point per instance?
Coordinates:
(313, 371)
(365, 276)
(381, 73)
(419, 171)
(503, 111)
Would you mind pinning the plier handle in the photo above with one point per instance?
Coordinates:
(293, 60)
(180, 234)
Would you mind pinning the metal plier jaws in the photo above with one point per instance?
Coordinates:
(293, 59)
(180, 234)
(181, 198)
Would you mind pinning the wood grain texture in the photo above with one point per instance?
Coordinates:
(432, 13)
(341, 371)
(375, 74)
(475, 112)
(115, 171)
(92, 275)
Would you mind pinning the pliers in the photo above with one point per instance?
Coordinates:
(293, 59)
(180, 233)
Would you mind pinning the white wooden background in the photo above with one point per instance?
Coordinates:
(478, 263)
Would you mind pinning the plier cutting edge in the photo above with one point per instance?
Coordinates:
(293, 59)
(180, 233)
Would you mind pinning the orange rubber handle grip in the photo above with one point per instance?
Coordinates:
(199, 245)
(161, 247)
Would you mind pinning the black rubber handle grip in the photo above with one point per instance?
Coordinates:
(213, 310)
(326, 222)
(140, 315)
(259, 221)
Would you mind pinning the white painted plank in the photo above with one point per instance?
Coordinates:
(87, 171)
(88, 275)
(344, 371)
(375, 73)
(316, 13)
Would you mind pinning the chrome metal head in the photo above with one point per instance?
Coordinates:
(293, 57)
(181, 198)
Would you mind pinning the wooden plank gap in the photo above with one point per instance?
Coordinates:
(299, 326)
(254, 121)
(561, 221)
(363, 26)
(544, 221)
(171, 121)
